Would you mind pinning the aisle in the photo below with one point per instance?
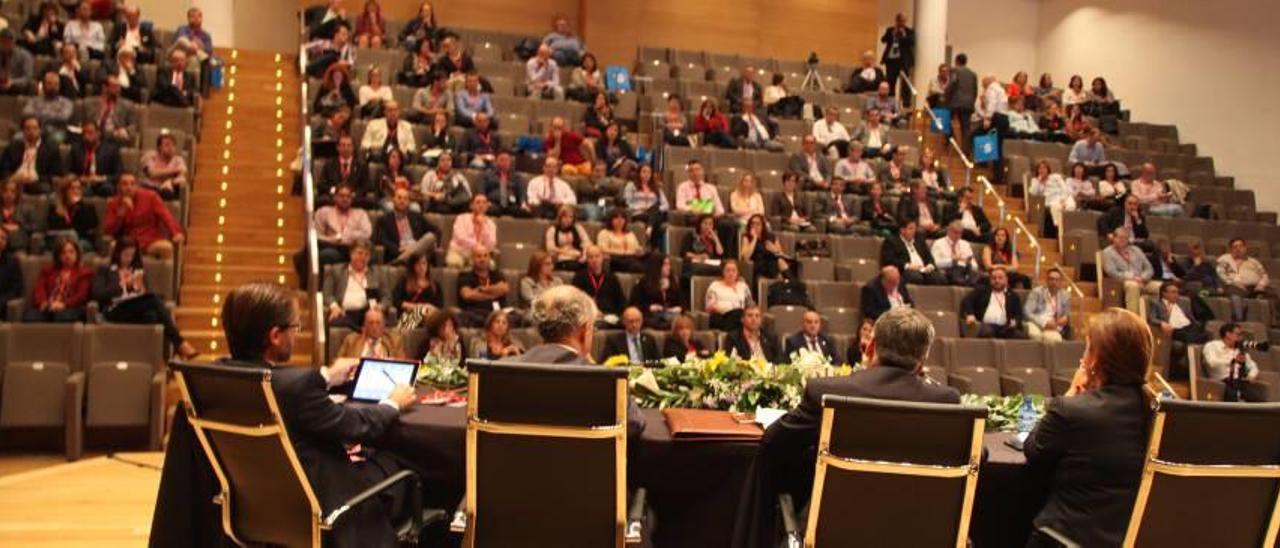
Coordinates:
(245, 225)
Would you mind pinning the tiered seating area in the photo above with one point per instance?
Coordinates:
(833, 283)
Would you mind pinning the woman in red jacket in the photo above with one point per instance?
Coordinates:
(62, 290)
(712, 125)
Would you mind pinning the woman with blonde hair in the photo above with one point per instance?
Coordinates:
(1091, 441)
(746, 200)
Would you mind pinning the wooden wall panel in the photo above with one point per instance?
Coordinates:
(837, 29)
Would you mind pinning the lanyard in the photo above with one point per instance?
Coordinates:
(595, 283)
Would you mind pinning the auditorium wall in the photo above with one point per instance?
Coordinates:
(1211, 67)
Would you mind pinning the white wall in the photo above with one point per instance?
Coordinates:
(269, 25)
(1210, 68)
(998, 35)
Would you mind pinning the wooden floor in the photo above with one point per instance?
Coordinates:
(100, 501)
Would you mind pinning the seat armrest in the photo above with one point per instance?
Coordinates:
(1210, 390)
(701, 320)
(92, 312)
(1010, 384)
(790, 524)
(635, 516)
(403, 475)
(156, 428)
(960, 382)
(1047, 537)
(14, 308)
(73, 400)
(459, 523)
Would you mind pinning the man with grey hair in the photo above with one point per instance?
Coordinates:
(565, 318)
(897, 354)
(1124, 262)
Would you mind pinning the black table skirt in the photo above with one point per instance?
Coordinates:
(695, 488)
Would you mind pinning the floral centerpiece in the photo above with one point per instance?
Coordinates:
(1003, 412)
(441, 374)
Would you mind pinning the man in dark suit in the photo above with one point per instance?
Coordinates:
(791, 208)
(837, 209)
(977, 228)
(1177, 320)
(403, 233)
(866, 77)
(32, 161)
(347, 169)
(993, 310)
(602, 285)
(504, 186)
(899, 52)
(564, 317)
(135, 33)
(908, 252)
(96, 161)
(638, 346)
(960, 96)
(813, 167)
(754, 130)
(785, 461)
(175, 87)
(261, 321)
(811, 338)
(742, 89)
(921, 210)
(1130, 216)
(481, 143)
(884, 292)
(752, 341)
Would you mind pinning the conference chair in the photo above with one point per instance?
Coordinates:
(264, 496)
(914, 455)
(973, 368)
(43, 385)
(1064, 360)
(125, 378)
(550, 433)
(1025, 370)
(1223, 460)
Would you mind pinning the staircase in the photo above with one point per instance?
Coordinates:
(245, 224)
(1014, 207)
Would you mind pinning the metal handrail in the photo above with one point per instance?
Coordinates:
(1021, 229)
(937, 123)
(320, 334)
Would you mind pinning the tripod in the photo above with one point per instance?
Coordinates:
(813, 80)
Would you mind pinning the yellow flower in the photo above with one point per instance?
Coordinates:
(710, 366)
(617, 361)
(844, 370)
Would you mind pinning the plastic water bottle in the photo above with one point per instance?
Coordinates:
(1027, 417)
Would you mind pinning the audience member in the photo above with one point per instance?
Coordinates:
(673, 123)
(1110, 186)
(831, 134)
(755, 131)
(371, 27)
(444, 342)
(936, 94)
(120, 289)
(352, 288)
(141, 214)
(563, 44)
(620, 245)
(814, 166)
(659, 294)
(867, 77)
(856, 171)
(175, 87)
(1046, 92)
(373, 340)
(11, 283)
(1129, 216)
(895, 175)
(1099, 93)
(496, 343)
(334, 93)
(760, 246)
(1023, 125)
(85, 33)
(323, 21)
(1002, 254)
(1243, 277)
(566, 240)
(403, 234)
(1177, 322)
(52, 109)
(62, 288)
(18, 72)
(743, 89)
(695, 196)
(546, 193)
(333, 51)
(936, 179)
(1095, 477)
(1018, 88)
(480, 289)
(595, 192)
(338, 226)
(746, 200)
(70, 217)
(860, 346)
(31, 161)
(954, 257)
(124, 68)
(726, 298)
(646, 202)
(373, 94)
(680, 343)
(94, 162)
(454, 62)
(505, 187)
(810, 339)
(752, 341)
(1226, 362)
(471, 230)
(778, 100)
(542, 76)
(920, 210)
(418, 295)
(1082, 192)
(1057, 193)
(73, 78)
(910, 255)
(702, 250)
(792, 208)
(884, 103)
(1153, 195)
(712, 125)
(977, 228)
(603, 286)
(616, 152)
(1164, 265)
(1126, 263)
(1090, 152)
(992, 108)
(16, 218)
(586, 82)
(1199, 269)
(42, 33)
(1047, 312)
(383, 134)
(437, 141)
(637, 346)
(598, 116)
(876, 214)
(837, 209)
(422, 28)
(346, 170)
(443, 189)
(1078, 126)
(885, 292)
(1075, 93)
(164, 170)
(874, 137)
(539, 277)
(566, 146)
(993, 310)
(417, 72)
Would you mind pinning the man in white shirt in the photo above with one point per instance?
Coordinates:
(1048, 309)
(1022, 124)
(994, 100)
(954, 257)
(854, 169)
(543, 75)
(340, 226)
(389, 131)
(995, 311)
(1244, 277)
(831, 134)
(1226, 362)
(547, 192)
(754, 130)
(813, 167)
(695, 195)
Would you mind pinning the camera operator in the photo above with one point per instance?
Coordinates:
(1227, 361)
